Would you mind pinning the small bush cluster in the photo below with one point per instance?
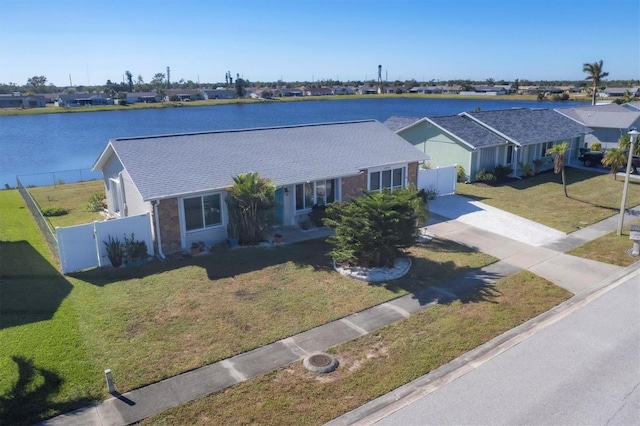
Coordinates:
(596, 146)
(485, 177)
(96, 202)
(54, 211)
(502, 172)
(462, 175)
(128, 251)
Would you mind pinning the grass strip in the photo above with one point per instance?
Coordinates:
(375, 364)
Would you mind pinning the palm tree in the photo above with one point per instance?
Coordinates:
(558, 152)
(596, 74)
(615, 158)
(625, 141)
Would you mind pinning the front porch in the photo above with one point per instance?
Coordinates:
(295, 234)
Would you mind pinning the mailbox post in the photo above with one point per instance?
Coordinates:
(634, 235)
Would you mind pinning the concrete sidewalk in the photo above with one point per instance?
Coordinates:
(547, 260)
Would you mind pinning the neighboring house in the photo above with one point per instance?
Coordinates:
(608, 122)
(482, 90)
(83, 99)
(182, 179)
(218, 93)
(426, 90)
(362, 90)
(287, 93)
(632, 106)
(183, 94)
(486, 139)
(143, 97)
(619, 92)
(318, 91)
(19, 101)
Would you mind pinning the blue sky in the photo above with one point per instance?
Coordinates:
(96, 40)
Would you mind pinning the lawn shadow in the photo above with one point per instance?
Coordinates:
(221, 263)
(31, 289)
(29, 399)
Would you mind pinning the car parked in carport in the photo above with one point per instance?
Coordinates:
(594, 158)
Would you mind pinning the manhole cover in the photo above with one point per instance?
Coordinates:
(320, 363)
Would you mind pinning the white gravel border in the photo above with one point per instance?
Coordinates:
(400, 267)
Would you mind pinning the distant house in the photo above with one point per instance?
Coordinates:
(367, 90)
(83, 99)
(183, 95)
(143, 97)
(284, 92)
(426, 90)
(483, 90)
(19, 101)
(453, 89)
(608, 122)
(318, 91)
(182, 179)
(486, 139)
(619, 92)
(218, 93)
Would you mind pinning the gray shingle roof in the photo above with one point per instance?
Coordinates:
(173, 165)
(396, 123)
(530, 126)
(468, 131)
(611, 116)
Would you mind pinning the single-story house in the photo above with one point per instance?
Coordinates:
(284, 92)
(182, 179)
(83, 99)
(183, 95)
(486, 139)
(218, 93)
(143, 97)
(618, 92)
(608, 122)
(318, 91)
(19, 101)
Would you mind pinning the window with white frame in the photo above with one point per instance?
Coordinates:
(204, 211)
(321, 192)
(545, 147)
(390, 178)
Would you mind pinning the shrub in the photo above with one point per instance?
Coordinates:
(115, 251)
(318, 212)
(96, 202)
(134, 249)
(54, 211)
(501, 172)
(373, 230)
(462, 175)
(596, 146)
(526, 169)
(485, 177)
(428, 194)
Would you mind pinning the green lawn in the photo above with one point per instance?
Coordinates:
(72, 196)
(592, 197)
(612, 248)
(59, 333)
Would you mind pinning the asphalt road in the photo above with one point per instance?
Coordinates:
(582, 370)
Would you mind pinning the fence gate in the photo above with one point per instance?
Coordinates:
(77, 247)
(82, 246)
(442, 179)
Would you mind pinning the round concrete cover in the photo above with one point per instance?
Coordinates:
(320, 363)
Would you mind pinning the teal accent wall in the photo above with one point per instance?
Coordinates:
(443, 148)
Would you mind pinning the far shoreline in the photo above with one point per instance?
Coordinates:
(50, 109)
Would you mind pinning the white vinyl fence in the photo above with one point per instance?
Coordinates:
(442, 179)
(82, 246)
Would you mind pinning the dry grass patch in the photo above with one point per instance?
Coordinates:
(174, 317)
(72, 196)
(376, 363)
(612, 248)
(592, 197)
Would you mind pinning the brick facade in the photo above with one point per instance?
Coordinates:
(412, 174)
(352, 186)
(169, 220)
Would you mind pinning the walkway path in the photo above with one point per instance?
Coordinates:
(546, 260)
